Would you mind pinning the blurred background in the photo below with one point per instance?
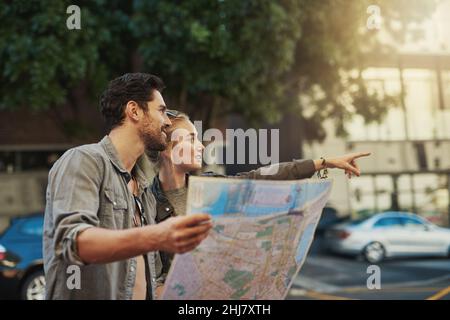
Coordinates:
(334, 76)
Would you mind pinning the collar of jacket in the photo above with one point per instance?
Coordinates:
(114, 158)
(158, 191)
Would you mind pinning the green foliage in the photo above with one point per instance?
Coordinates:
(40, 60)
(258, 58)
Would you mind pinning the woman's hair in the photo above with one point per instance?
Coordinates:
(175, 117)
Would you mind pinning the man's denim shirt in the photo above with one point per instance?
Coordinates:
(87, 187)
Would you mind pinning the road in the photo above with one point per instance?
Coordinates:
(335, 277)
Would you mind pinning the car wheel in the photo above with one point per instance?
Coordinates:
(374, 252)
(33, 287)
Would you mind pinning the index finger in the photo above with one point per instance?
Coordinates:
(194, 219)
(361, 154)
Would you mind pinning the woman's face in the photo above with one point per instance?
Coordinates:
(186, 150)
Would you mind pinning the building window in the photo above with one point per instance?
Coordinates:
(19, 161)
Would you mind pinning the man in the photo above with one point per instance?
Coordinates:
(100, 212)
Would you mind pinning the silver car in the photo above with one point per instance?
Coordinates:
(389, 234)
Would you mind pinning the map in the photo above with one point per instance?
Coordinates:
(262, 231)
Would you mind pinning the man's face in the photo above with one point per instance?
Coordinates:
(154, 124)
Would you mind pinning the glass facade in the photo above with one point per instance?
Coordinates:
(19, 161)
(424, 115)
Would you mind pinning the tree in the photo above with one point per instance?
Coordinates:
(258, 58)
(47, 68)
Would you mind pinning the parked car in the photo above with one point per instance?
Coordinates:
(329, 218)
(389, 234)
(21, 264)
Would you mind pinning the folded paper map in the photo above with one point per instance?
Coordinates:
(261, 235)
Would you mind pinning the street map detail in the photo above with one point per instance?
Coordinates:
(261, 235)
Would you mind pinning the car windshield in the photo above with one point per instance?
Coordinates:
(388, 222)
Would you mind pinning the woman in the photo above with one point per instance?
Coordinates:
(184, 155)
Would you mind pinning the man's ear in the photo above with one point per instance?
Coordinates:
(132, 110)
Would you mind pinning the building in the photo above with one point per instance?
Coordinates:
(410, 165)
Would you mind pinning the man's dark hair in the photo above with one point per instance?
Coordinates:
(138, 87)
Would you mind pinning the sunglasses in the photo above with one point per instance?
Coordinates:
(173, 113)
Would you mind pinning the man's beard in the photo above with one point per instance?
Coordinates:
(153, 138)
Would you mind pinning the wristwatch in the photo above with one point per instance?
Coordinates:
(325, 171)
